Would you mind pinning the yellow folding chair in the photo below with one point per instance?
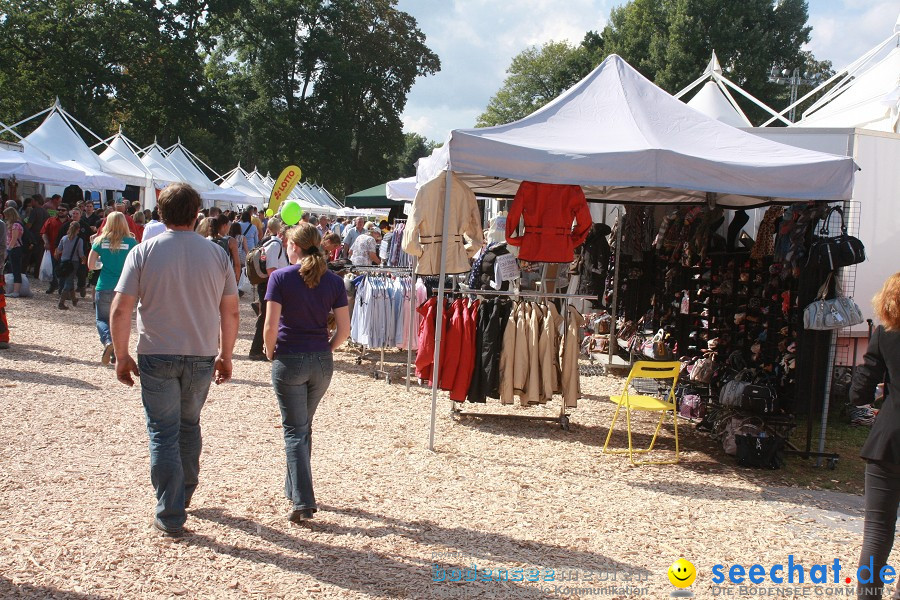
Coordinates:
(636, 401)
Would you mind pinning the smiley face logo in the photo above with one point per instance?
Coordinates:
(682, 573)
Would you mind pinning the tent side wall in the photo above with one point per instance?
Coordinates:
(876, 188)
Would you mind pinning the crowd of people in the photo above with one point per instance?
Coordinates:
(64, 239)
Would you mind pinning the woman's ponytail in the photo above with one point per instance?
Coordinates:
(312, 261)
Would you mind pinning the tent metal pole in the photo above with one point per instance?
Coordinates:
(757, 102)
(412, 324)
(613, 340)
(438, 329)
(845, 71)
(34, 116)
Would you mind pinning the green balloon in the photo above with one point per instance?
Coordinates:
(291, 212)
(269, 212)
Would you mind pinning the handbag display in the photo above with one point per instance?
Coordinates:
(703, 369)
(742, 394)
(760, 451)
(656, 348)
(739, 426)
(834, 313)
(835, 252)
(692, 407)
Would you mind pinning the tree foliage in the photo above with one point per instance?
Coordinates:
(320, 83)
(670, 42)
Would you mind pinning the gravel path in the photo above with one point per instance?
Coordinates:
(76, 501)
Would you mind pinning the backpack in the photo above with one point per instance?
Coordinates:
(256, 262)
(222, 242)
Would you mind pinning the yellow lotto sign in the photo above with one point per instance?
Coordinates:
(283, 186)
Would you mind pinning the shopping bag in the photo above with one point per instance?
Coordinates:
(24, 289)
(244, 284)
(46, 272)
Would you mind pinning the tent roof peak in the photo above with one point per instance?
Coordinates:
(713, 66)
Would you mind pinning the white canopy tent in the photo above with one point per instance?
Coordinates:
(179, 157)
(56, 140)
(237, 180)
(623, 139)
(402, 190)
(36, 169)
(871, 100)
(164, 173)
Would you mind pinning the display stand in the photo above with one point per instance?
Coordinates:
(563, 418)
(380, 371)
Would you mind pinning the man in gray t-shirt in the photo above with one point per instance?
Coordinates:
(187, 322)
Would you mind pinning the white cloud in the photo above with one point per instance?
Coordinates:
(842, 33)
(476, 41)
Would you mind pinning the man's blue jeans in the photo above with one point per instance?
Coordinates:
(300, 381)
(173, 390)
(102, 302)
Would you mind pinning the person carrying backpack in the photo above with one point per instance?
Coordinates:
(218, 234)
(273, 257)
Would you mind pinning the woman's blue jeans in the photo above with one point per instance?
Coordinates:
(300, 382)
(102, 302)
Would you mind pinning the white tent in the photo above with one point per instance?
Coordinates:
(36, 169)
(210, 192)
(870, 101)
(402, 190)
(121, 158)
(238, 182)
(57, 140)
(623, 139)
(163, 171)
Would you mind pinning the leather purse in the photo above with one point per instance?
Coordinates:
(834, 313)
(703, 369)
(835, 252)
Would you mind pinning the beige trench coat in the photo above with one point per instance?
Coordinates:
(571, 384)
(422, 236)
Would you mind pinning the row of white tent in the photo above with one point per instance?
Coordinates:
(55, 153)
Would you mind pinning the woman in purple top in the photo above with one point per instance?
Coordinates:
(300, 297)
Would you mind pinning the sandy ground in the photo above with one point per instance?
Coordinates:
(76, 501)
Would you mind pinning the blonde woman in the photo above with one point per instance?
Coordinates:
(299, 298)
(108, 253)
(882, 448)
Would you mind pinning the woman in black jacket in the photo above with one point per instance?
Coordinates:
(882, 448)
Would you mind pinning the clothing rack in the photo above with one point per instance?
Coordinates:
(380, 370)
(563, 418)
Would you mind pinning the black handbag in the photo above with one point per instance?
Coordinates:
(67, 267)
(759, 451)
(835, 252)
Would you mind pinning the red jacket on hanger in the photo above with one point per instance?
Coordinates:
(549, 210)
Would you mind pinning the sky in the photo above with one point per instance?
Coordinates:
(477, 39)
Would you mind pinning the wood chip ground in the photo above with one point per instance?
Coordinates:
(76, 502)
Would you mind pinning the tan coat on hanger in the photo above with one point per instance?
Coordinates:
(521, 355)
(534, 389)
(422, 236)
(508, 358)
(549, 348)
(571, 384)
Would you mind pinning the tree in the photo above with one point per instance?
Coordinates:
(415, 147)
(328, 81)
(536, 76)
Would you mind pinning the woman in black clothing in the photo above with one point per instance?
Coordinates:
(882, 448)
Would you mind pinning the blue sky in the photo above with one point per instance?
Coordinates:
(477, 39)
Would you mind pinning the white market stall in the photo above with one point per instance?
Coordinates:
(624, 140)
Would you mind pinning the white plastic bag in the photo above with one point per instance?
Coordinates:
(24, 289)
(244, 284)
(46, 272)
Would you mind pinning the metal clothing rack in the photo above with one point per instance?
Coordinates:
(563, 418)
(380, 370)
